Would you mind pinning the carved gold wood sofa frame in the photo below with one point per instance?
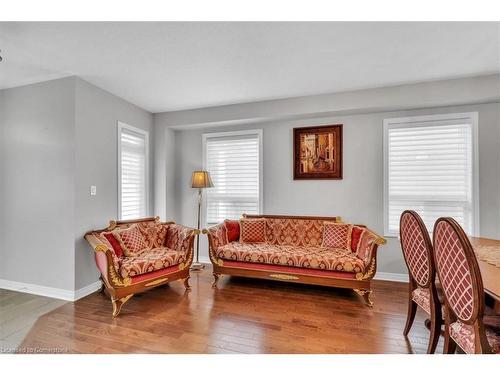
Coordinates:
(122, 289)
(359, 282)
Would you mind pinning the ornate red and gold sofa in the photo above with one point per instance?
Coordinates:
(298, 249)
(137, 255)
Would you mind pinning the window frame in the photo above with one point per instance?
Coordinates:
(433, 120)
(121, 125)
(207, 136)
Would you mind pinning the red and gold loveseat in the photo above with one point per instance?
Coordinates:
(136, 255)
(299, 249)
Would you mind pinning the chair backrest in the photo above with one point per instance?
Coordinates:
(417, 248)
(458, 271)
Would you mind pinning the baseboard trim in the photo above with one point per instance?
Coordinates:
(396, 277)
(46, 291)
(86, 290)
(385, 276)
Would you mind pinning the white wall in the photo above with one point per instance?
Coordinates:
(359, 196)
(96, 163)
(37, 171)
(58, 138)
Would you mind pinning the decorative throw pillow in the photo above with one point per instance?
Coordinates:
(355, 236)
(337, 235)
(131, 241)
(232, 230)
(252, 230)
(114, 243)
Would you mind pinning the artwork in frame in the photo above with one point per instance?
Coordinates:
(317, 152)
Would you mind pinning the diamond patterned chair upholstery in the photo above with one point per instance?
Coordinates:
(417, 252)
(462, 284)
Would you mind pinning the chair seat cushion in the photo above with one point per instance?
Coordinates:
(422, 296)
(463, 335)
(149, 261)
(295, 256)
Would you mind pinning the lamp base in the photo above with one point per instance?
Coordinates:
(197, 266)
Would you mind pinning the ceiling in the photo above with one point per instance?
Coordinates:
(165, 66)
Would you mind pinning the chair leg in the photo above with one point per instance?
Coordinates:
(186, 283)
(412, 309)
(118, 303)
(365, 293)
(216, 278)
(435, 333)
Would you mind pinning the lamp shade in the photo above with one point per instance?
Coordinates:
(201, 179)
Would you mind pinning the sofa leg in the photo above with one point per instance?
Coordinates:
(118, 303)
(186, 283)
(365, 293)
(216, 278)
(101, 289)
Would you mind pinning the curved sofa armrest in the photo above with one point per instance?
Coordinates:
(367, 251)
(104, 258)
(217, 237)
(181, 238)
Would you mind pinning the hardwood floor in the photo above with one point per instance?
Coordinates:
(18, 313)
(241, 316)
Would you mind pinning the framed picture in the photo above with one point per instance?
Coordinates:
(317, 153)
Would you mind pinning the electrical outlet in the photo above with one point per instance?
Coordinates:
(93, 190)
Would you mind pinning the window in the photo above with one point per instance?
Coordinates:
(234, 160)
(132, 172)
(430, 166)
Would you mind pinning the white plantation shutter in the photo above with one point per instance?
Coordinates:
(133, 155)
(430, 168)
(233, 161)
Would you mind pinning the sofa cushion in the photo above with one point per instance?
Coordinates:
(131, 241)
(232, 230)
(337, 235)
(252, 230)
(117, 248)
(294, 231)
(355, 236)
(286, 255)
(149, 261)
(153, 233)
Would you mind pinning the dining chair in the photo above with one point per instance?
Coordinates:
(417, 252)
(460, 278)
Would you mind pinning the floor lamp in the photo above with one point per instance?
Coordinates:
(200, 180)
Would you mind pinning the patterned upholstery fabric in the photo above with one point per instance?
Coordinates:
(337, 235)
(463, 335)
(414, 249)
(151, 260)
(117, 248)
(421, 296)
(104, 240)
(355, 237)
(178, 237)
(305, 257)
(252, 230)
(365, 247)
(131, 241)
(218, 235)
(296, 232)
(453, 269)
(154, 233)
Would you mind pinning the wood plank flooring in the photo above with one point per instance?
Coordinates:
(241, 316)
(18, 313)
